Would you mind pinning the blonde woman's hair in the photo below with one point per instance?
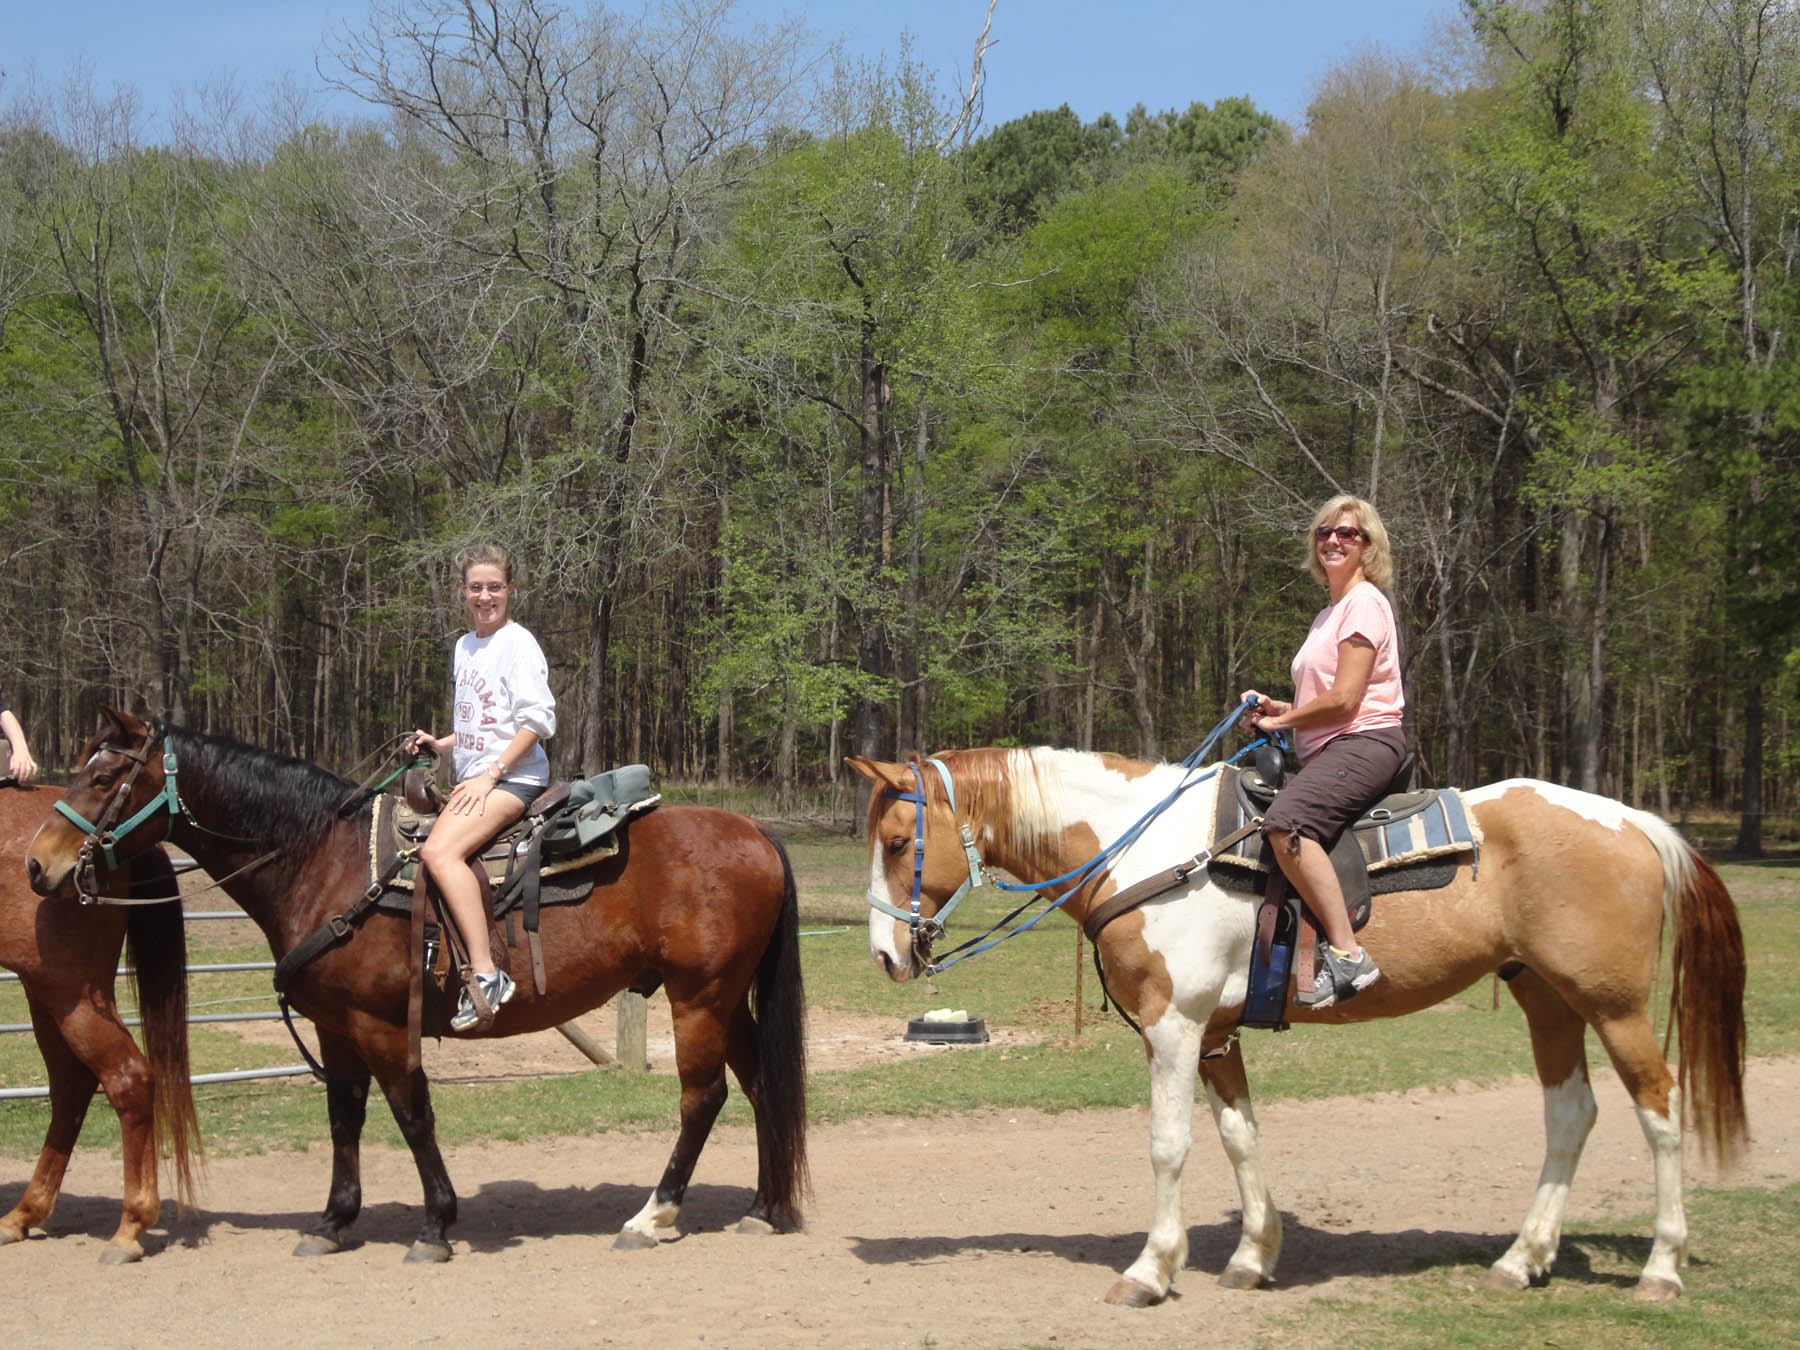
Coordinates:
(479, 555)
(1378, 561)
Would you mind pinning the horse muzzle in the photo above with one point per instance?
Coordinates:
(49, 873)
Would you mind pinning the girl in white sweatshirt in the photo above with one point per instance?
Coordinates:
(502, 712)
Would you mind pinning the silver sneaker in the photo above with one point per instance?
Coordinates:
(1341, 978)
(496, 989)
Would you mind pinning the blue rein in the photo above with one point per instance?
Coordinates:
(933, 927)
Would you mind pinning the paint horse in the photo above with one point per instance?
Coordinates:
(700, 901)
(1572, 897)
(66, 957)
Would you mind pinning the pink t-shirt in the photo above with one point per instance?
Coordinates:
(1363, 612)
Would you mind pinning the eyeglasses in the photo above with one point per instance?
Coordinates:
(1346, 534)
(486, 588)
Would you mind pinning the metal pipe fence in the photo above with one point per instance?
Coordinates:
(202, 968)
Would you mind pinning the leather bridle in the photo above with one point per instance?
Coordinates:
(103, 834)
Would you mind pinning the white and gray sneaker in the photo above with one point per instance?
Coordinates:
(1341, 977)
(496, 988)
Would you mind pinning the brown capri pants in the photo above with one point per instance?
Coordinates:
(1349, 774)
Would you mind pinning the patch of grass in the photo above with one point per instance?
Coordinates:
(1739, 1289)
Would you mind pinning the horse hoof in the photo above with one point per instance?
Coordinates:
(423, 1253)
(317, 1244)
(1240, 1277)
(1131, 1294)
(1655, 1289)
(630, 1240)
(8, 1237)
(120, 1256)
(754, 1226)
(1505, 1279)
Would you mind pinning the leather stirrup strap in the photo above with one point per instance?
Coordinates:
(415, 980)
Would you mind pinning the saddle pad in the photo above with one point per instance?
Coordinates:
(1443, 828)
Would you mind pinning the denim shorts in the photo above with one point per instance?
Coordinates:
(1349, 774)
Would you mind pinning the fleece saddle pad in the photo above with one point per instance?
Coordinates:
(1410, 841)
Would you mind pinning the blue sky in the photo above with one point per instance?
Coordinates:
(1095, 55)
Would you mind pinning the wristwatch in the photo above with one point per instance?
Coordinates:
(497, 771)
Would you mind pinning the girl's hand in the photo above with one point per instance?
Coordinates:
(470, 796)
(23, 766)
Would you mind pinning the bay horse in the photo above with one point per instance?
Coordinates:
(1571, 898)
(699, 900)
(66, 957)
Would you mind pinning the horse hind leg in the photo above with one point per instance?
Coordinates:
(1259, 1240)
(700, 1064)
(1631, 1044)
(72, 1086)
(91, 1048)
(1558, 1048)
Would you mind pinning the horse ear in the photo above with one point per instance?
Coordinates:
(879, 773)
(122, 724)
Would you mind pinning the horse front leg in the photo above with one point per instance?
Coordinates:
(700, 1063)
(409, 1098)
(1174, 1047)
(1259, 1239)
(346, 1107)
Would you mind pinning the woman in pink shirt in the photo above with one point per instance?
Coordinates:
(1345, 718)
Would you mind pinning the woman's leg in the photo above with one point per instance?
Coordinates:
(1347, 775)
(445, 855)
(1307, 867)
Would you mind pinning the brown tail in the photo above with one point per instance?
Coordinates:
(1706, 1010)
(780, 1007)
(158, 945)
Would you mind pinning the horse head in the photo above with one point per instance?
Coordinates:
(114, 809)
(922, 861)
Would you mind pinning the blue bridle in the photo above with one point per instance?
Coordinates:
(105, 836)
(930, 927)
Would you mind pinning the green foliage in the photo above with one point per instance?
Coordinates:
(827, 421)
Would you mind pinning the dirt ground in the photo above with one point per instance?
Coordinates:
(999, 1229)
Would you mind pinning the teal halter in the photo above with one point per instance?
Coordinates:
(105, 836)
(929, 928)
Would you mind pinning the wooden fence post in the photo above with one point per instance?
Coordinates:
(634, 1020)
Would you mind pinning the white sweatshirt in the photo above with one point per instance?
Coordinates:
(501, 684)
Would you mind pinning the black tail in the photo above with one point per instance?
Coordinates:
(157, 940)
(780, 1008)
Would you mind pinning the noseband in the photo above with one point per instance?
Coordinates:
(924, 929)
(104, 834)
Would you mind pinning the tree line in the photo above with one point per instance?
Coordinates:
(826, 421)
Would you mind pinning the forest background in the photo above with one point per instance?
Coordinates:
(825, 420)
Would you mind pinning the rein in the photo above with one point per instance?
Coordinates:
(923, 930)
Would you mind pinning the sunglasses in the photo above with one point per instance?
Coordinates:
(1346, 534)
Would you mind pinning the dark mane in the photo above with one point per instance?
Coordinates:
(260, 795)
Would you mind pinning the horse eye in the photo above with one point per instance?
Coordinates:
(898, 844)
